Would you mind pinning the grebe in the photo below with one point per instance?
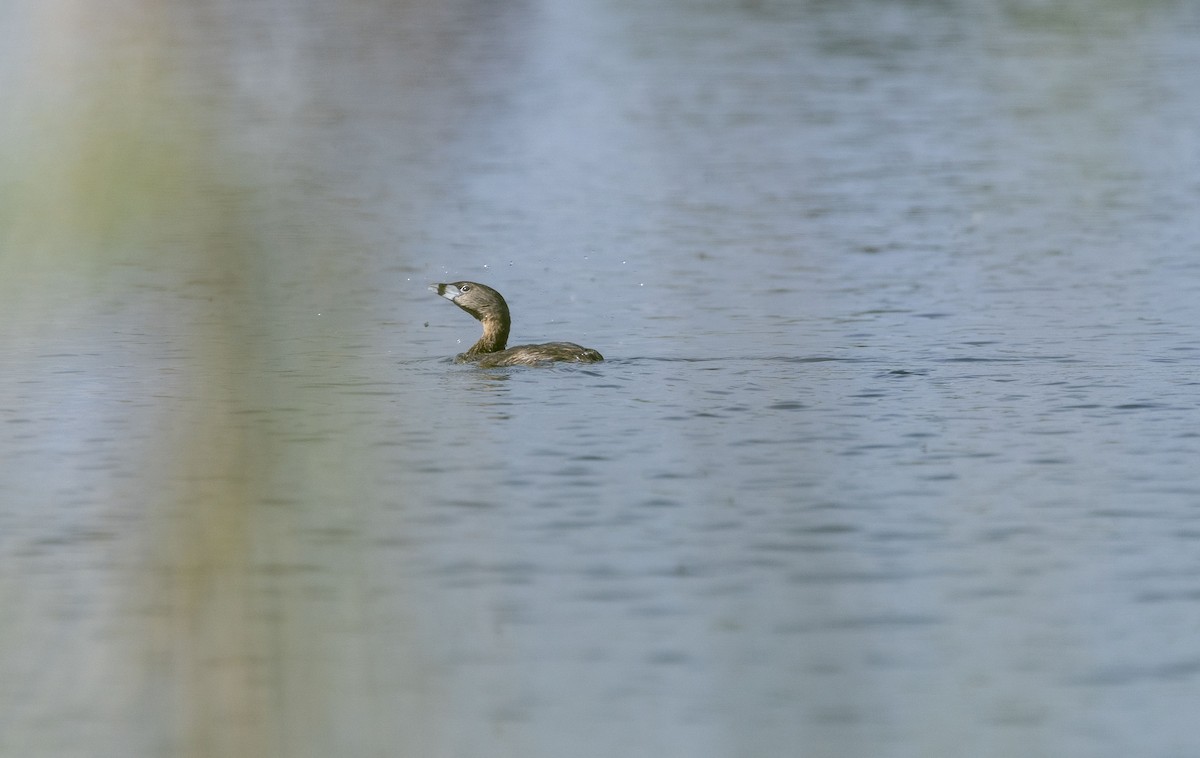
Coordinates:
(486, 304)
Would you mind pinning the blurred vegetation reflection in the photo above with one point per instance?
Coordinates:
(124, 204)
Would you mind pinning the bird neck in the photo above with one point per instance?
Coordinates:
(495, 337)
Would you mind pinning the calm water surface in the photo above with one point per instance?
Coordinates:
(894, 452)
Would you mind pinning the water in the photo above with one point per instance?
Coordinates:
(893, 452)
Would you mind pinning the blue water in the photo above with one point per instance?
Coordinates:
(893, 452)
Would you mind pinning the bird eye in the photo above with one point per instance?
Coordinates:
(465, 288)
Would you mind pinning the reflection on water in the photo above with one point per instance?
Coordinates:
(893, 452)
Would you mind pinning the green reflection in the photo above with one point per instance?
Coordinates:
(123, 206)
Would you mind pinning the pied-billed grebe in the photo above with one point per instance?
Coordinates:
(486, 304)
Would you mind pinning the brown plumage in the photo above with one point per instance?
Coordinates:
(487, 305)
